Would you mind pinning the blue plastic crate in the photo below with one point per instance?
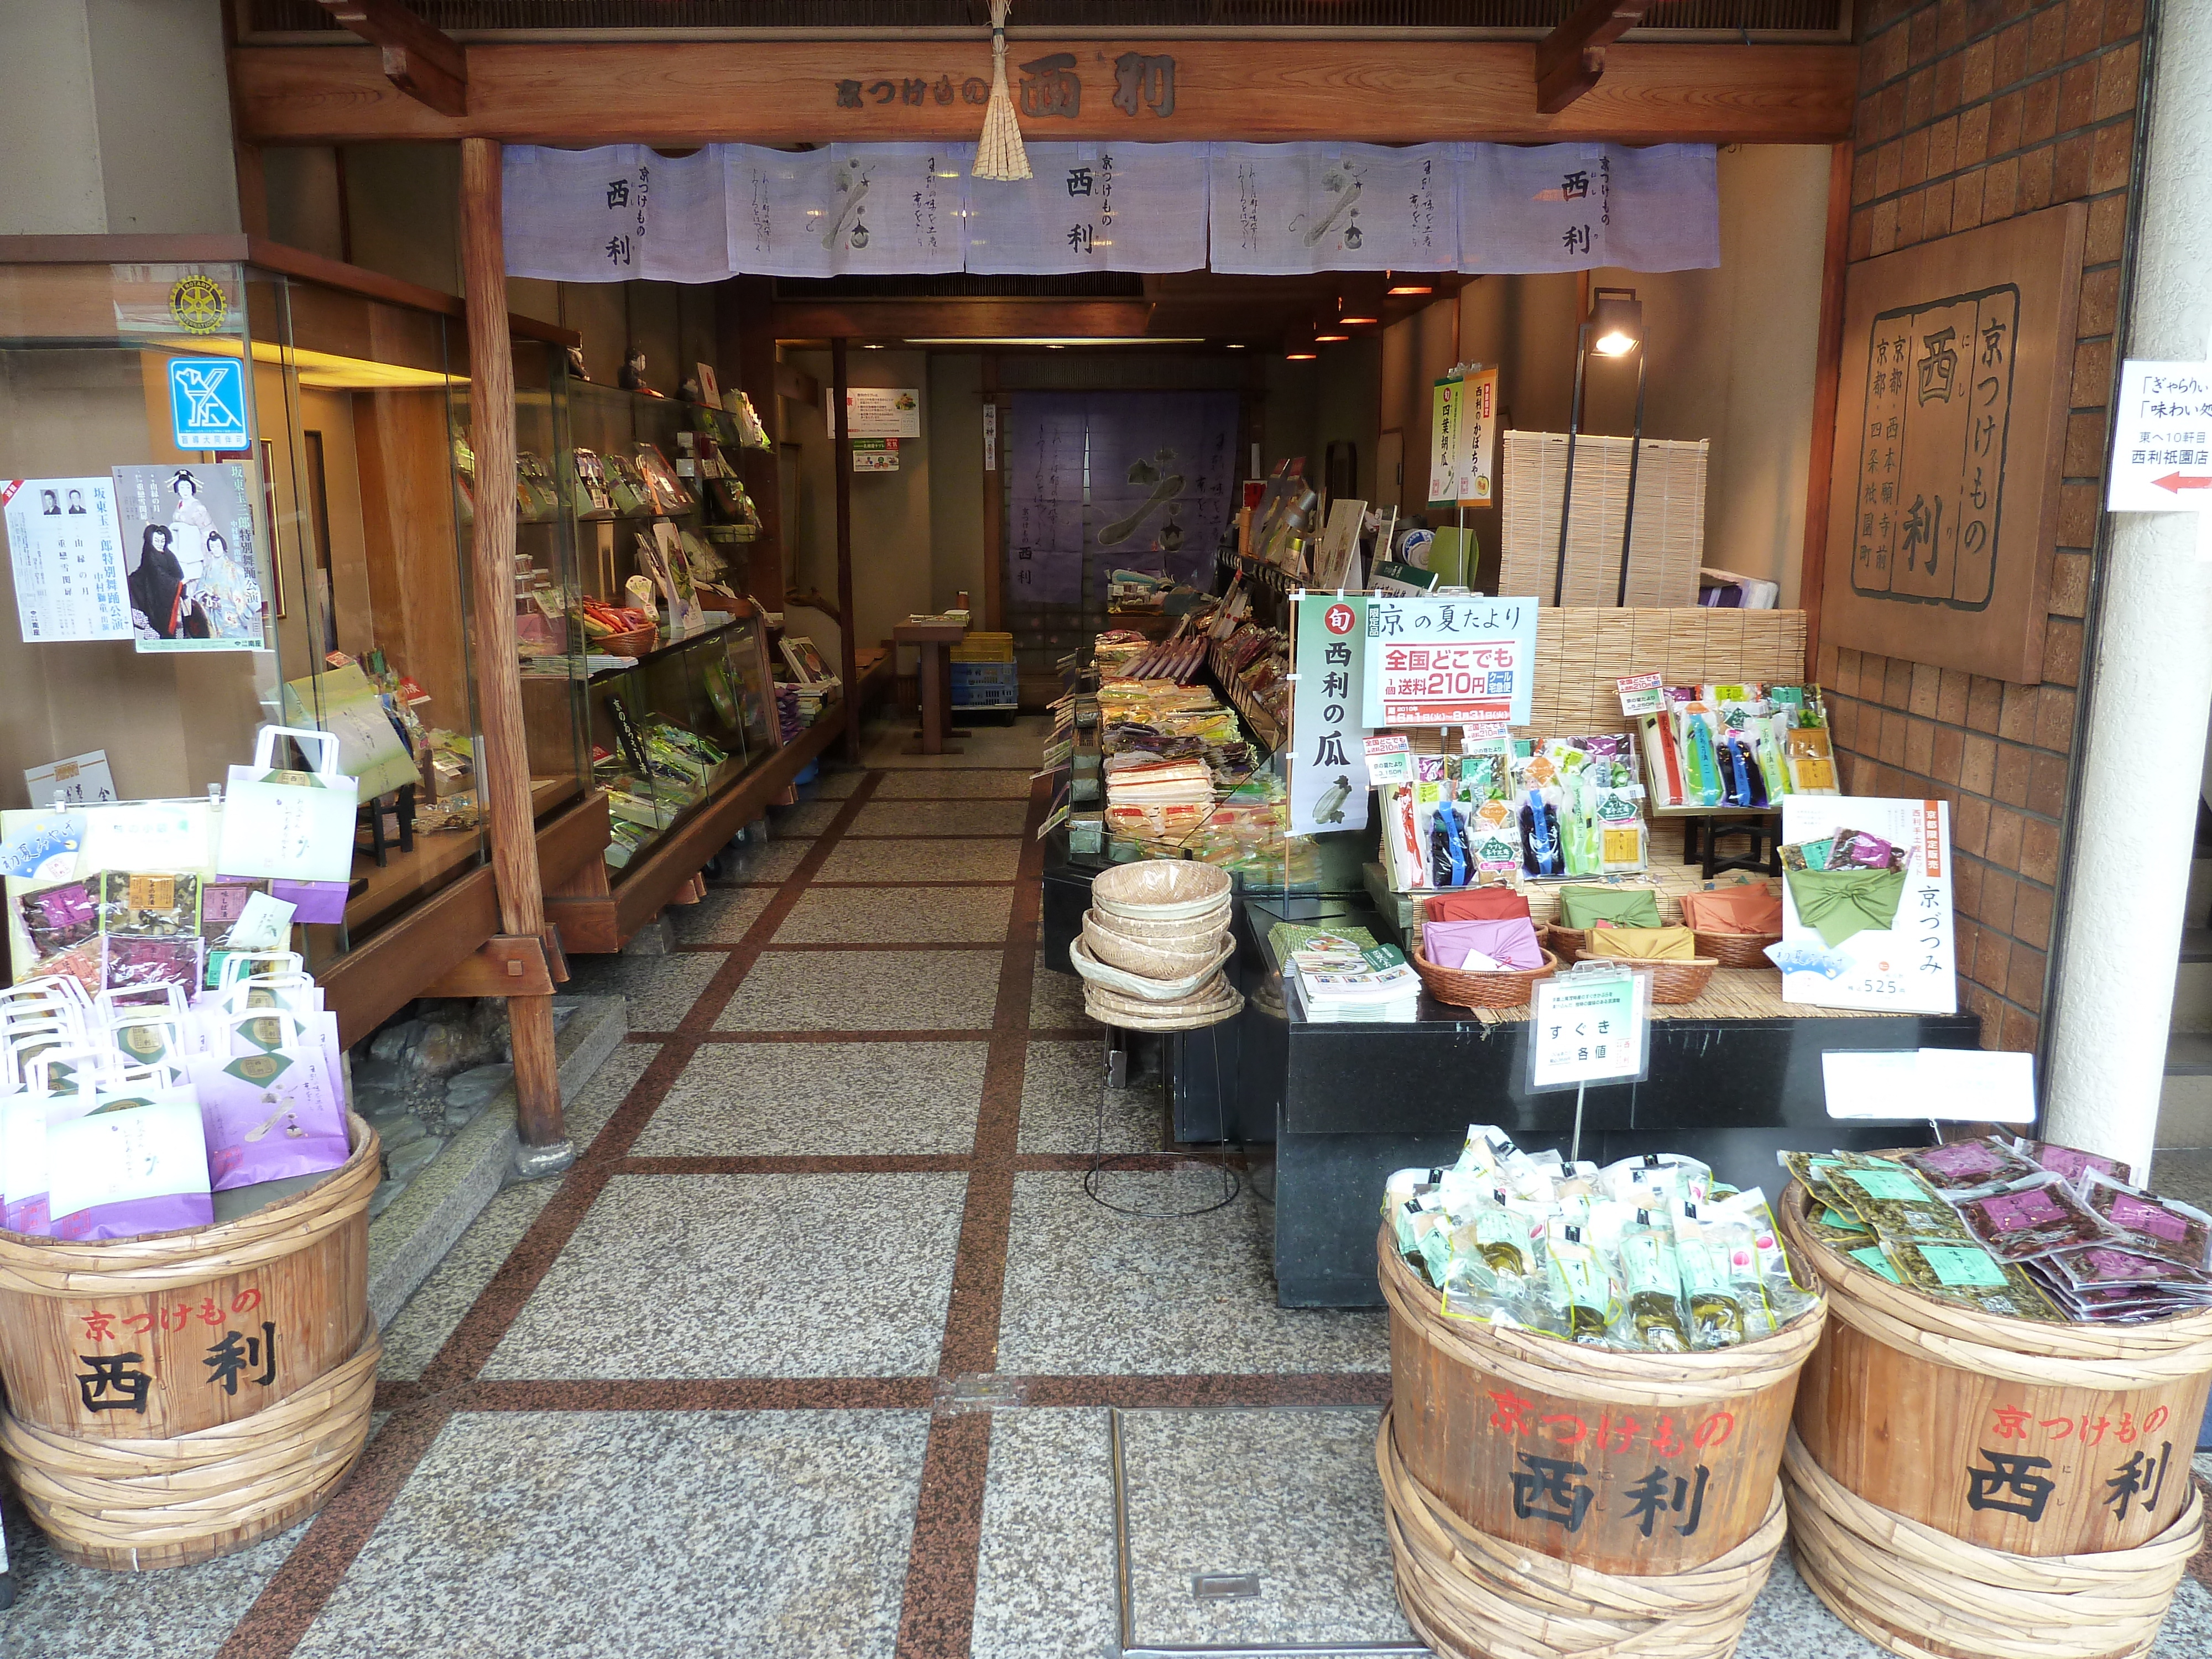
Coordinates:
(985, 685)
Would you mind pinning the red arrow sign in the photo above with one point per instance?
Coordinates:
(2174, 481)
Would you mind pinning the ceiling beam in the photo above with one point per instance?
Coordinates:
(1570, 60)
(783, 92)
(423, 62)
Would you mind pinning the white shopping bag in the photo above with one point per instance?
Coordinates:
(288, 826)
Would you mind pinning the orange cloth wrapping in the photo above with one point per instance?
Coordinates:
(1747, 907)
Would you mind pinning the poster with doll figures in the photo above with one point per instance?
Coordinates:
(1866, 904)
(195, 558)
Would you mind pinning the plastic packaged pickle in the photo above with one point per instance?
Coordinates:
(1966, 1167)
(1721, 1301)
(1582, 1286)
(1963, 1271)
(1653, 1280)
(2031, 1218)
(2146, 1223)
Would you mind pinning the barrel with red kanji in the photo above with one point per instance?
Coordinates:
(1640, 1465)
(150, 1381)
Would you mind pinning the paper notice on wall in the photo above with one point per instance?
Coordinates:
(66, 547)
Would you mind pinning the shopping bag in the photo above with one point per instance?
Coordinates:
(293, 826)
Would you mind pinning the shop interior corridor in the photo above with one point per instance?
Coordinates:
(821, 1352)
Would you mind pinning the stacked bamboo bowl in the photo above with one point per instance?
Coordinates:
(1154, 944)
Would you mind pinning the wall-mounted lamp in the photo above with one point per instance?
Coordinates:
(1614, 328)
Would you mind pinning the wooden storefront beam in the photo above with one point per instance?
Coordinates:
(1390, 91)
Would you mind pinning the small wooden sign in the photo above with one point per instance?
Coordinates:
(1950, 427)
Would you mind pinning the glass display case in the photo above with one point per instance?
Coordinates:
(246, 464)
(644, 664)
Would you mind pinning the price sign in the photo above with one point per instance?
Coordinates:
(1590, 1026)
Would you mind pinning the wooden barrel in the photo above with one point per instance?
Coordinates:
(1631, 1464)
(177, 1396)
(1964, 1484)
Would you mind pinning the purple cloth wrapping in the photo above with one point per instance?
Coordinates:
(1510, 941)
(317, 901)
(162, 1214)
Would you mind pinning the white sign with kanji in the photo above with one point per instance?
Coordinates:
(2162, 439)
(1588, 1027)
(1447, 661)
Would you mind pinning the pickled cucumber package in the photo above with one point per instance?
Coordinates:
(1651, 1277)
(1583, 1291)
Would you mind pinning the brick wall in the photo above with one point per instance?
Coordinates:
(1969, 113)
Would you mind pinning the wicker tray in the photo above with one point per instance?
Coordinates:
(1737, 949)
(635, 643)
(1677, 980)
(1507, 987)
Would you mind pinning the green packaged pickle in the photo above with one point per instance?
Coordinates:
(1654, 1284)
(1582, 1288)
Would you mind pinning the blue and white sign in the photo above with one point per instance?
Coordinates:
(207, 402)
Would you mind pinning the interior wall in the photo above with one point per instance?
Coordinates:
(1347, 406)
(954, 422)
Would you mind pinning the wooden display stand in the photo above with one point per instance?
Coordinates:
(934, 676)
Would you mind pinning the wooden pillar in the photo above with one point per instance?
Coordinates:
(1827, 371)
(850, 622)
(505, 783)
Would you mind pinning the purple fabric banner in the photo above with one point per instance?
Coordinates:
(1044, 498)
(1163, 472)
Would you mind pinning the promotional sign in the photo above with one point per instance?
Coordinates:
(875, 455)
(2162, 439)
(1588, 1027)
(1448, 441)
(1464, 424)
(66, 548)
(1870, 931)
(1449, 661)
(80, 781)
(1641, 693)
(876, 412)
(1327, 790)
(207, 403)
(191, 542)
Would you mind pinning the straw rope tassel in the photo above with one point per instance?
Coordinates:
(1000, 155)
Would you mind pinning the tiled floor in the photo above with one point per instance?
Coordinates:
(704, 1395)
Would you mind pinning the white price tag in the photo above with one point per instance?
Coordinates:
(1588, 1027)
(1641, 693)
(1389, 759)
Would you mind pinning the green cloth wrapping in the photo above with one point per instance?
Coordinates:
(1623, 907)
(1845, 902)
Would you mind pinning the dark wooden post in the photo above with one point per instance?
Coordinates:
(849, 623)
(505, 782)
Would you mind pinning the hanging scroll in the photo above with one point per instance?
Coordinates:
(1286, 209)
(1093, 207)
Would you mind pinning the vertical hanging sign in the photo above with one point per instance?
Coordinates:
(1328, 784)
(1446, 440)
(1478, 425)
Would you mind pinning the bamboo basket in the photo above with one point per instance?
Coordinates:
(1472, 1404)
(1469, 1595)
(633, 642)
(1911, 1394)
(1509, 988)
(1737, 949)
(123, 1343)
(1674, 982)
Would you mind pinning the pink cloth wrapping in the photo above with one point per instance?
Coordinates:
(1510, 941)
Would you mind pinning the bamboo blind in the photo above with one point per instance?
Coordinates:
(1668, 542)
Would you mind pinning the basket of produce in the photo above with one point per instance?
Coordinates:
(2020, 1346)
(618, 630)
(1573, 1349)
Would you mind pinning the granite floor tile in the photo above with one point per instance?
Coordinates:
(865, 991)
(835, 785)
(860, 915)
(1056, 1002)
(758, 1275)
(65, 1612)
(940, 818)
(1045, 1570)
(1157, 1297)
(897, 862)
(832, 1099)
(986, 745)
(807, 819)
(606, 1535)
(1013, 784)
(772, 864)
(430, 1317)
(1061, 1085)
(596, 1101)
(1290, 1496)
(721, 917)
(660, 990)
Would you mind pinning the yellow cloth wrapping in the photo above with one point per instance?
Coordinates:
(1643, 944)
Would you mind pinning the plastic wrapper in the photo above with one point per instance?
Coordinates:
(1963, 1271)
(1583, 1291)
(2071, 1162)
(1966, 1167)
(1651, 1314)
(2031, 1218)
(2147, 1223)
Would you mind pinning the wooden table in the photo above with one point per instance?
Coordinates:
(934, 678)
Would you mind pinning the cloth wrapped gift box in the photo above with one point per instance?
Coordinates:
(1623, 907)
(1508, 941)
(1748, 907)
(1477, 904)
(1643, 944)
(1845, 902)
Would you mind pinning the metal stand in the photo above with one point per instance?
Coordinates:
(1116, 1075)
